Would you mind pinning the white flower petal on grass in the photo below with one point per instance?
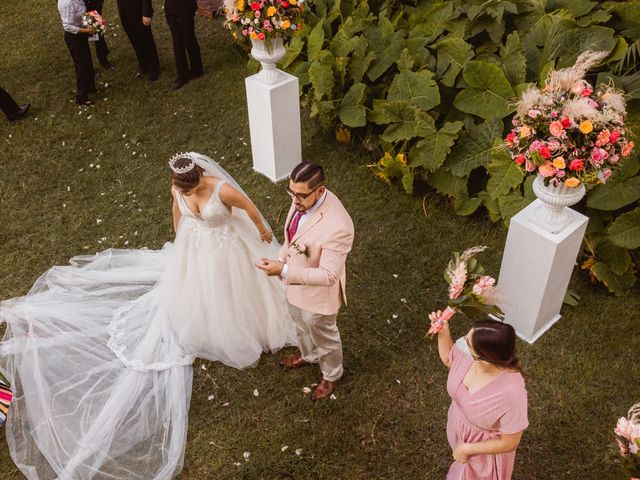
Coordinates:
(394, 316)
(64, 205)
(68, 188)
(98, 221)
(333, 397)
(395, 275)
(91, 165)
(403, 300)
(98, 166)
(225, 404)
(127, 242)
(298, 451)
(246, 455)
(284, 447)
(398, 382)
(255, 392)
(237, 464)
(210, 397)
(203, 367)
(306, 390)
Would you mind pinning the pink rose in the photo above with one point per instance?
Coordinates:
(615, 135)
(511, 137)
(556, 129)
(533, 113)
(566, 122)
(560, 174)
(614, 159)
(520, 159)
(586, 92)
(529, 166)
(624, 428)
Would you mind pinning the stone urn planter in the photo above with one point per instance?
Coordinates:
(552, 214)
(268, 53)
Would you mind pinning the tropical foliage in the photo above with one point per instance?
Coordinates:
(431, 86)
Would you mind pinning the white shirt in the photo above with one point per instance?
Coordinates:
(71, 12)
(303, 219)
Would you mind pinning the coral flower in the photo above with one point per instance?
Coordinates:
(556, 128)
(572, 182)
(586, 127)
(603, 138)
(547, 170)
(627, 149)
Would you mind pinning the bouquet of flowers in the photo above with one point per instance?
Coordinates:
(263, 19)
(569, 132)
(471, 292)
(628, 438)
(95, 20)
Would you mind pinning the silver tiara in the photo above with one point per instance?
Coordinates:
(186, 168)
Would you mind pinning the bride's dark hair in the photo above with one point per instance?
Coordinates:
(495, 342)
(188, 180)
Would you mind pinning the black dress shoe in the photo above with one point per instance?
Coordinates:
(179, 83)
(22, 111)
(84, 103)
(153, 76)
(139, 73)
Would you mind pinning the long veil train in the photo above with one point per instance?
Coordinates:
(102, 386)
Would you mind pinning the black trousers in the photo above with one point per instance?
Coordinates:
(85, 76)
(102, 50)
(8, 104)
(143, 44)
(185, 43)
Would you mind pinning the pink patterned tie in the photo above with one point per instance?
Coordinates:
(293, 226)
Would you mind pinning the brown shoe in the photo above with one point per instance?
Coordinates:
(323, 390)
(293, 361)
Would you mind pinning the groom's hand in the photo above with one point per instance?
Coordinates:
(273, 268)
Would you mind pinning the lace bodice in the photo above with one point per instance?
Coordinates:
(213, 214)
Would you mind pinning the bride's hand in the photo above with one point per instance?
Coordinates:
(266, 236)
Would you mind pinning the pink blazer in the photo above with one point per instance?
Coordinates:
(316, 256)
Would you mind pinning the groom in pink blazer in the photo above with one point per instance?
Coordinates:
(318, 236)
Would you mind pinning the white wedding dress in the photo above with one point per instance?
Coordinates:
(99, 353)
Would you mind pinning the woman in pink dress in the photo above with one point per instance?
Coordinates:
(488, 410)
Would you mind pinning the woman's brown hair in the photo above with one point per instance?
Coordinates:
(495, 342)
(188, 180)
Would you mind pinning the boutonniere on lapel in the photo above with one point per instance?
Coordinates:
(302, 250)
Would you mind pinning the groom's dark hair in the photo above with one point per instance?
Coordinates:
(308, 172)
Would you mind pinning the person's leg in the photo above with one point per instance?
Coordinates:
(82, 92)
(175, 25)
(134, 32)
(326, 338)
(88, 73)
(305, 343)
(8, 104)
(187, 26)
(102, 50)
(151, 59)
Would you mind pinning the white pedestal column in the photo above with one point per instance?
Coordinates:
(535, 272)
(274, 123)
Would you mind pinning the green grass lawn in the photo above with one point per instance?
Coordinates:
(388, 420)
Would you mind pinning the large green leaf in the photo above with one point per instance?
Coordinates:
(293, 51)
(321, 75)
(488, 93)
(491, 204)
(387, 43)
(620, 190)
(513, 59)
(453, 53)
(445, 182)
(617, 284)
(625, 230)
(352, 111)
(315, 41)
(474, 148)
(429, 22)
(511, 204)
(505, 175)
(361, 59)
(432, 150)
(576, 7)
(403, 121)
(569, 44)
(417, 88)
(616, 257)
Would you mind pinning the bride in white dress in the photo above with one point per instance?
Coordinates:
(99, 353)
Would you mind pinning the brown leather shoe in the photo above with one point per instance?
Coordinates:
(293, 361)
(323, 390)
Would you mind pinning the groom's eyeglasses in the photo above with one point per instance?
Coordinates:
(301, 196)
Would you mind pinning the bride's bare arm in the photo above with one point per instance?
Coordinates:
(175, 211)
(232, 197)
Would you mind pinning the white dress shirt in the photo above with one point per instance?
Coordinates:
(301, 222)
(71, 12)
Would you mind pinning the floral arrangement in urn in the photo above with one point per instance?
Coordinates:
(263, 19)
(628, 438)
(471, 292)
(569, 132)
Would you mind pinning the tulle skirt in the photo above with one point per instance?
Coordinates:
(99, 352)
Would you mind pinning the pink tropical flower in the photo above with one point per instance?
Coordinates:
(439, 319)
(483, 284)
(529, 166)
(627, 148)
(624, 428)
(555, 128)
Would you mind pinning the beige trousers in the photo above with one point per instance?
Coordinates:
(319, 341)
